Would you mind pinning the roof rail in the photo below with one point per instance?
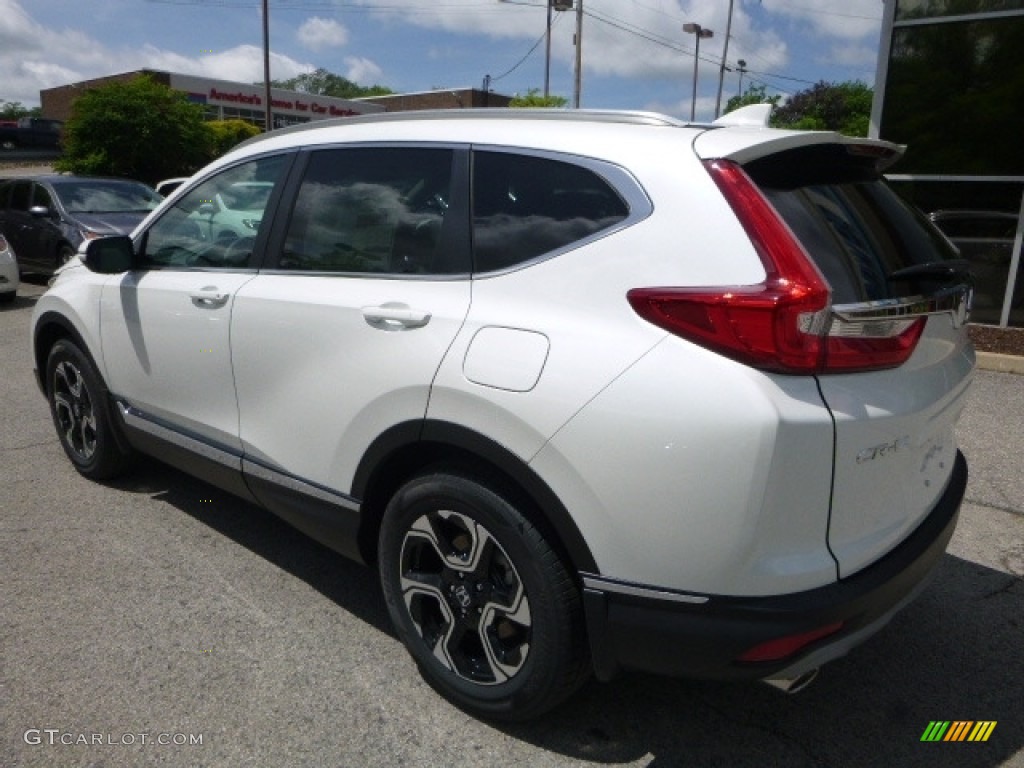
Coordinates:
(483, 113)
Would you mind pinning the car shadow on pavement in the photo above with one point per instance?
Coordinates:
(352, 586)
(955, 654)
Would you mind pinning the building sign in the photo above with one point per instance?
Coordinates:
(224, 95)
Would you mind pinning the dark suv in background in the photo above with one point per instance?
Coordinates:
(46, 218)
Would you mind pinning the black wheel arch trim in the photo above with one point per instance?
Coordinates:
(43, 340)
(446, 435)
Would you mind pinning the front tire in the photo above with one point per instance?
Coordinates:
(64, 254)
(81, 414)
(481, 600)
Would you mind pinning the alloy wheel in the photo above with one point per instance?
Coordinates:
(76, 419)
(465, 597)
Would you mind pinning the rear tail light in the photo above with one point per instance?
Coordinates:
(786, 323)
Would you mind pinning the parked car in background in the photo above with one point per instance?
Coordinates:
(985, 239)
(31, 132)
(46, 218)
(9, 275)
(593, 391)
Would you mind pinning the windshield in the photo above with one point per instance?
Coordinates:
(106, 196)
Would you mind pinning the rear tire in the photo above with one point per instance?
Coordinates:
(81, 413)
(481, 600)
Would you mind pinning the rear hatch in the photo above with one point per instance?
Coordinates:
(897, 380)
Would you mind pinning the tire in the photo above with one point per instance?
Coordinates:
(64, 254)
(480, 599)
(81, 414)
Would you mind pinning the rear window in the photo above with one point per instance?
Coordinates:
(855, 228)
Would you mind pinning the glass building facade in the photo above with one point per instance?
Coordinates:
(950, 86)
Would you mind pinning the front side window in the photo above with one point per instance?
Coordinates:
(216, 223)
(41, 197)
(372, 211)
(20, 195)
(525, 206)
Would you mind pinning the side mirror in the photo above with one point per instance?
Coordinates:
(39, 211)
(207, 209)
(110, 255)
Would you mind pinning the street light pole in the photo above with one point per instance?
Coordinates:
(721, 69)
(698, 32)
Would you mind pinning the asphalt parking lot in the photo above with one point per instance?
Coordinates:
(158, 621)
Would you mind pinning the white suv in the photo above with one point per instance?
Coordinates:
(594, 391)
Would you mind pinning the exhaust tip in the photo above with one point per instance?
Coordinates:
(793, 684)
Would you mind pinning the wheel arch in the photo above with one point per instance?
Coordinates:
(412, 447)
(50, 328)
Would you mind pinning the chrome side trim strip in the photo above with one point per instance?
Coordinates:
(136, 420)
(637, 590)
(954, 301)
(294, 484)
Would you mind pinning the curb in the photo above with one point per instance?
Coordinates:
(991, 361)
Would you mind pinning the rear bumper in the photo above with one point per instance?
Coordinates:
(645, 628)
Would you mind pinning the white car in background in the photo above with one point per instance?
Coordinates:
(9, 275)
(594, 391)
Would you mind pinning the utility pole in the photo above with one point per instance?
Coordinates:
(742, 68)
(269, 123)
(721, 69)
(578, 75)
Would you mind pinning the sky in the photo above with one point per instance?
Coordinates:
(635, 52)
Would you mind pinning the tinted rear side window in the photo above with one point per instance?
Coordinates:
(857, 230)
(526, 206)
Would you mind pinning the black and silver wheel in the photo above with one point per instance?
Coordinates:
(480, 599)
(81, 413)
(64, 254)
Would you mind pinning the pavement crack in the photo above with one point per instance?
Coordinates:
(990, 505)
(26, 446)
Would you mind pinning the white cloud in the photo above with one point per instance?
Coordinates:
(34, 58)
(317, 34)
(362, 71)
(843, 19)
(859, 56)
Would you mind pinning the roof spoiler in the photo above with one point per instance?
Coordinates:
(755, 115)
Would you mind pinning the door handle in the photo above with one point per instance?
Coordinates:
(394, 316)
(207, 297)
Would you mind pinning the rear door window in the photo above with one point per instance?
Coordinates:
(859, 233)
(374, 210)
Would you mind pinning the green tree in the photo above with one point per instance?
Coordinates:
(843, 107)
(138, 129)
(324, 83)
(534, 98)
(755, 94)
(225, 134)
(12, 110)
